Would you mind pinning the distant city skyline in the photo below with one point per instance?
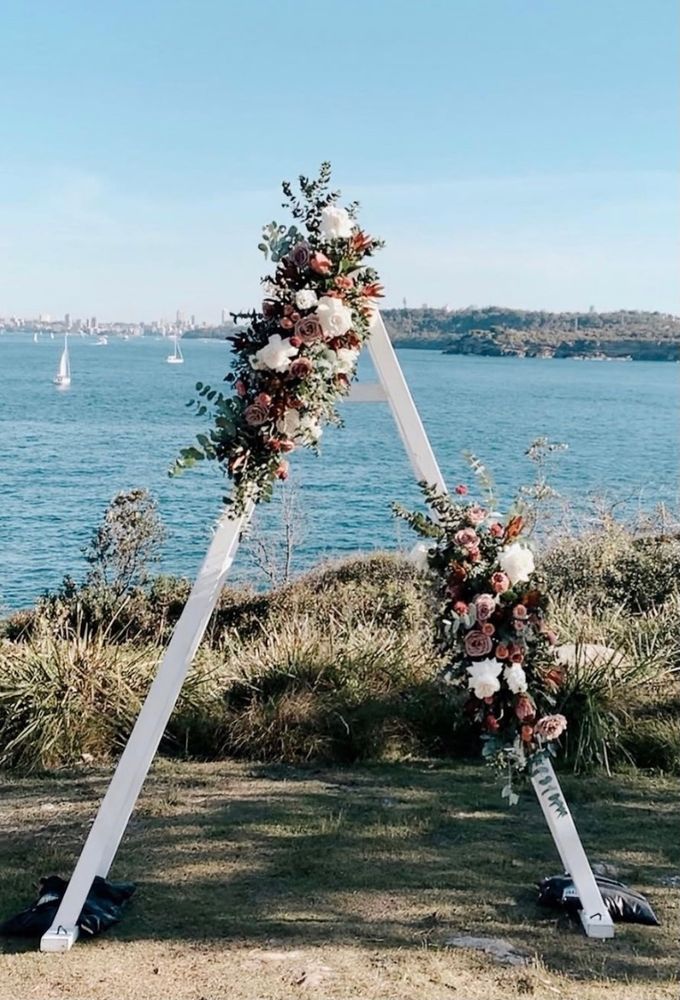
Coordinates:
(515, 154)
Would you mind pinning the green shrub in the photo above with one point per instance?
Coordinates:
(614, 567)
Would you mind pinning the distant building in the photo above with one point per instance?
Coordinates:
(225, 316)
(67, 321)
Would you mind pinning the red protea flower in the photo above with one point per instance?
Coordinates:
(360, 241)
(514, 527)
(374, 290)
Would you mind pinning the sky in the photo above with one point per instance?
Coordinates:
(511, 152)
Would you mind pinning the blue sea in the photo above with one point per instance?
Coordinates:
(65, 453)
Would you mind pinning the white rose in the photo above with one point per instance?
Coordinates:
(306, 298)
(335, 224)
(418, 556)
(334, 316)
(484, 678)
(517, 561)
(276, 355)
(515, 678)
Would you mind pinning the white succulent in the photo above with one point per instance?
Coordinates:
(276, 355)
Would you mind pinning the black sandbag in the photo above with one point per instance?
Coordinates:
(624, 904)
(103, 908)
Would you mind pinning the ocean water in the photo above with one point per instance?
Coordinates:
(65, 453)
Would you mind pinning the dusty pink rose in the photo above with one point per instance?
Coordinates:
(300, 254)
(301, 367)
(485, 606)
(460, 607)
(461, 490)
(308, 329)
(496, 529)
(550, 727)
(466, 538)
(520, 611)
(264, 399)
(476, 515)
(488, 628)
(477, 644)
(500, 582)
(255, 414)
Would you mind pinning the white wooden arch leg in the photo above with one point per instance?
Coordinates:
(117, 805)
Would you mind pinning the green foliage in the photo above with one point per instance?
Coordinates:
(126, 542)
(614, 567)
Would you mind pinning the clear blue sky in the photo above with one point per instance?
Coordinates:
(517, 152)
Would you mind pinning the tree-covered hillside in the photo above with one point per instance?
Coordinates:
(499, 331)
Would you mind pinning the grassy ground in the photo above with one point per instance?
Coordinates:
(271, 882)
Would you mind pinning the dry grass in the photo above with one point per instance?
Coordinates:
(270, 882)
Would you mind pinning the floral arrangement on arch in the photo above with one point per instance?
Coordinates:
(492, 626)
(296, 357)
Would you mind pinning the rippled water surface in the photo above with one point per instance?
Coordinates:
(64, 453)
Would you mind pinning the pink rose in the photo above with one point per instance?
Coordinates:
(485, 606)
(301, 367)
(255, 414)
(500, 582)
(466, 538)
(496, 529)
(460, 607)
(477, 644)
(550, 727)
(308, 329)
(461, 490)
(476, 515)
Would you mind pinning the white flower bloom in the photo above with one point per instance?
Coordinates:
(484, 677)
(517, 561)
(269, 289)
(276, 355)
(346, 360)
(306, 298)
(299, 428)
(515, 678)
(418, 556)
(334, 316)
(335, 223)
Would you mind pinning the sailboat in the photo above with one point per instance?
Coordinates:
(176, 358)
(63, 376)
(35, 338)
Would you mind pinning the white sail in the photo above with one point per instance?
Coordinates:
(177, 358)
(63, 376)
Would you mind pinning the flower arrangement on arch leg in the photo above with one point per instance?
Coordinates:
(297, 356)
(492, 625)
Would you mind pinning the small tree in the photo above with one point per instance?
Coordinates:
(126, 542)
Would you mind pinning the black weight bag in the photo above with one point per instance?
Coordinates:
(103, 907)
(624, 904)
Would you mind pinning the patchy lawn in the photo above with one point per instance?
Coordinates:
(269, 882)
